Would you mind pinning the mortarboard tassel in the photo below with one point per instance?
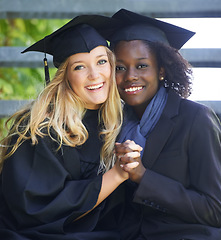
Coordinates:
(47, 76)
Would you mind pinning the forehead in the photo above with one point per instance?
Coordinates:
(94, 53)
(135, 48)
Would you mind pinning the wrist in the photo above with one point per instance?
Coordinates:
(118, 176)
(140, 175)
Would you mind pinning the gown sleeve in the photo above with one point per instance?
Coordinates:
(200, 201)
(43, 188)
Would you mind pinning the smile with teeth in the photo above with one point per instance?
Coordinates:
(132, 89)
(93, 87)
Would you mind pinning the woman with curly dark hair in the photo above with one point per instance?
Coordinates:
(178, 72)
(175, 192)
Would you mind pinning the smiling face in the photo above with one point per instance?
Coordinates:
(89, 76)
(137, 74)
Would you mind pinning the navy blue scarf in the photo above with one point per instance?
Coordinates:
(139, 130)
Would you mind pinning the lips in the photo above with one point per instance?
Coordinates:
(133, 89)
(95, 87)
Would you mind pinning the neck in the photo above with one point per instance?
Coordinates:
(140, 109)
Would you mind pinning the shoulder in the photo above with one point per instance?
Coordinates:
(195, 107)
(199, 114)
(188, 112)
(178, 105)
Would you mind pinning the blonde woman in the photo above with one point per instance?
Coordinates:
(57, 162)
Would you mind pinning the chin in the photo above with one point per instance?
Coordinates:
(131, 103)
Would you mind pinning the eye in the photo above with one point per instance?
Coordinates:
(120, 68)
(102, 61)
(141, 66)
(79, 67)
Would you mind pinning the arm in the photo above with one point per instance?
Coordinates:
(41, 188)
(199, 200)
(112, 179)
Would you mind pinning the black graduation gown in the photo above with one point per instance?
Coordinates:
(43, 191)
(179, 196)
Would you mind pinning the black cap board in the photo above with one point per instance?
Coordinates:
(81, 34)
(78, 35)
(139, 27)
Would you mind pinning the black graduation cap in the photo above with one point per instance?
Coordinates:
(81, 34)
(139, 27)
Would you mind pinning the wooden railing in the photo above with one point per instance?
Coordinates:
(67, 9)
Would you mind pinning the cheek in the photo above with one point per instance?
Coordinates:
(119, 78)
(108, 75)
(75, 82)
(72, 83)
(107, 71)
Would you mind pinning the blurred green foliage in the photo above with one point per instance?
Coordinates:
(23, 83)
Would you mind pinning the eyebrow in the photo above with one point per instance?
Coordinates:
(102, 55)
(80, 61)
(143, 58)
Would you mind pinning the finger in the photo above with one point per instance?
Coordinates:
(125, 160)
(132, 165)
(129, 157)
(125, 168)
(119, 157)
(129, 141)
(133, 146)
(126, 148)
(119, 146)
(129, 167)
(132, 155)
(122, 148)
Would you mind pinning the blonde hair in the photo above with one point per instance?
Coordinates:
(59, 108)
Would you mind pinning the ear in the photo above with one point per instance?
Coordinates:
(162, 74)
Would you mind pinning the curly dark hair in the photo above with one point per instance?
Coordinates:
(178, 70)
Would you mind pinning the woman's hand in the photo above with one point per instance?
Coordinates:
(128, 154)
(130, 150)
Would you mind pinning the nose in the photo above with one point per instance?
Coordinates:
(93, 73)
(131, 75)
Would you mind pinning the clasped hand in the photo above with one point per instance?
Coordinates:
(128, 155)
